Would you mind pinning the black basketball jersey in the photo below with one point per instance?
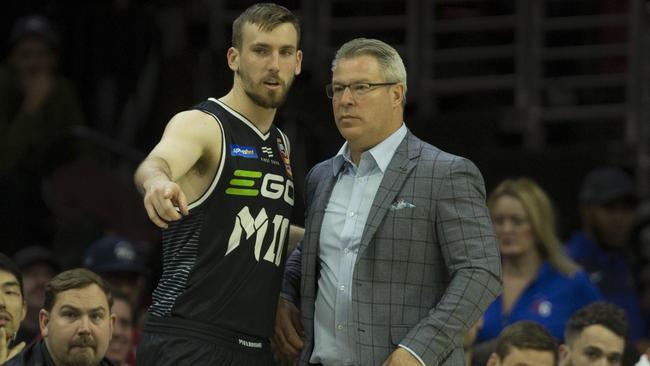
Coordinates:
(223, 263)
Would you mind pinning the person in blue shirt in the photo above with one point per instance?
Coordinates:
(540, 282)
(607, 202)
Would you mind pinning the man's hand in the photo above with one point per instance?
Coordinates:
(401, 357)
(161, 200)
(288, 329)
(5, 352)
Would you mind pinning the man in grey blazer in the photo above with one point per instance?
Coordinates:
(399, 257)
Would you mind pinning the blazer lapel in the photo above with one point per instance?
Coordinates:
(398, 169)
(321, 198)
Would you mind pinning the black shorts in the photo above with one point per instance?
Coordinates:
(172, 344)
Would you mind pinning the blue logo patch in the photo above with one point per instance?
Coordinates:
(243, 151)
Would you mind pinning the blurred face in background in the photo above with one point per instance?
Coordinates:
(35, 278)
(512, 227)
(12, 305)
(523, 357)
(595, 345)
(610, 224)
(120, 346)
(32, 55)
(130, 284)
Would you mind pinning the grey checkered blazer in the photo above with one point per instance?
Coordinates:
(423, 274)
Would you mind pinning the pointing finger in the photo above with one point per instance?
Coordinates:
(182, 203)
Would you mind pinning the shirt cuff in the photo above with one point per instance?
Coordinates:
(413, 353)
(643, 361)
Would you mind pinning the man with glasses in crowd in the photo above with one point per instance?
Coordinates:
(399, 257)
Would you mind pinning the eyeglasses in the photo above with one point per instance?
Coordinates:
(334, 91)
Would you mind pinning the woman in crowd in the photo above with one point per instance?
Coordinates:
(540, 282)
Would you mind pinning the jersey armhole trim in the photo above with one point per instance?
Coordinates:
(285, 139)
(222, 161)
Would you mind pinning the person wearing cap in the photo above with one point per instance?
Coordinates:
(38, 106)
(37, 265)
(12, 308)
(117, 260)
(607, 201)
(38, 109)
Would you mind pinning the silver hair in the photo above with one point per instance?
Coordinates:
(390, 62)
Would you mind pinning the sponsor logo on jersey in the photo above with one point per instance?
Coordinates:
(285, 157)
(268, 157)
(248, 226)
(273, 186)
(243, 151)
(268, 152)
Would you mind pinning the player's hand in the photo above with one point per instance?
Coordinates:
(5, 352)
(401, 357)
(161, 200)
(288, 329)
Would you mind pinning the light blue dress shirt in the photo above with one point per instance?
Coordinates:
(340, 237)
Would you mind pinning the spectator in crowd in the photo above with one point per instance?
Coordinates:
(117, 260)
(38, 108)
(524, 343)
(121, 349)
(540, 282)
(76, 322)
(640, 245)
(607, 203)
(38, 265)
(12, 308)
(595, 335)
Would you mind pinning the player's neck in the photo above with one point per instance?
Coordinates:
(261, 117)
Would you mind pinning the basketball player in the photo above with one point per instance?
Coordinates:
(220, 184)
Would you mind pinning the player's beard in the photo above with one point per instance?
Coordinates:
(261, 96)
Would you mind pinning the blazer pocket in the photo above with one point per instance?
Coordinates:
(412, 224)
(398, 332)
(410, 212)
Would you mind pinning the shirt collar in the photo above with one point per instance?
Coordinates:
(382, 152)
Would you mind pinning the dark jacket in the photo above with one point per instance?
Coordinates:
(36, 354)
